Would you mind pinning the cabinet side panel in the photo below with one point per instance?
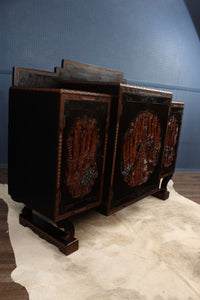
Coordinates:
(172, 138)
(33, 138)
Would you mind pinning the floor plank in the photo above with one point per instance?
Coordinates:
(9, 290)
(188, 185)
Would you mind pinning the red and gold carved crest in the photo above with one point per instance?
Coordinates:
(82, 144)
(141, 148)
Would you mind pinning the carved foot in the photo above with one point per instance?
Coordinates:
(65, 241)
(68, 235)
(163, 193)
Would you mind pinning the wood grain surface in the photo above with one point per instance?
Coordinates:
(9, 290)
(188, 185)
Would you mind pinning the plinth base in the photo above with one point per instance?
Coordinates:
(163, 195)
(49, 232)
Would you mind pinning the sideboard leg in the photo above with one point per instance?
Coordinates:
(163, 193)
(64, 240)
(68, 236)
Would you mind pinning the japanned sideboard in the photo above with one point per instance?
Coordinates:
(78, 145)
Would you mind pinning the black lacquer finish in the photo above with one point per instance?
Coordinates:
(80, 138)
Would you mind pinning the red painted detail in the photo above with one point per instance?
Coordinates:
(82, 144)
(141, 148)
(171, 141)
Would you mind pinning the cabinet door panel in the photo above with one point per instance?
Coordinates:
(142, 131)
(83, 154)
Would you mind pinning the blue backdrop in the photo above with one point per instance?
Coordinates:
(153, 42)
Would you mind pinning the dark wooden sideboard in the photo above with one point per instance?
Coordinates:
(57, 150)
(81, 138)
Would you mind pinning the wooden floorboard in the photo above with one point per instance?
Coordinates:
(9, 290)
(186, 184)
(3, 176)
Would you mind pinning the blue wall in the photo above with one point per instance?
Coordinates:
(153, 42)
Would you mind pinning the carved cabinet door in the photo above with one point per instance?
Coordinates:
(83, 141)
(139, 152)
